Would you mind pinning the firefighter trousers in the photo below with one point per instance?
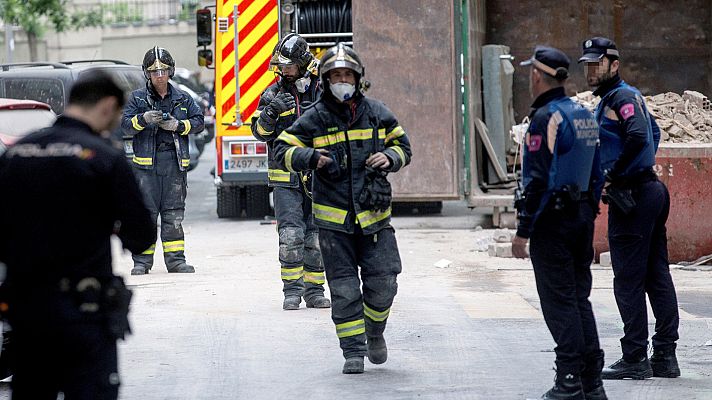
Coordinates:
(359, 314)
(302, 270)
(164, 189)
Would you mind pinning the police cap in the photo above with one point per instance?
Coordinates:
(551, 61)
(595, 48)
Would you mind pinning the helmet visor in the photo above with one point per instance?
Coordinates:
(159, 72)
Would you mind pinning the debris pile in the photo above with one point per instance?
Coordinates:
(685, 118)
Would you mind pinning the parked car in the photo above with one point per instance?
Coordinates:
(21, 117)
(49, 83)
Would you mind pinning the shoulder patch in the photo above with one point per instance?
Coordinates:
(534, 143)
(627, 110)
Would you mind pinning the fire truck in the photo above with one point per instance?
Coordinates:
(424, 59)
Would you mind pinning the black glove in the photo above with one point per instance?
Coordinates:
(280, 103)
(376, 194)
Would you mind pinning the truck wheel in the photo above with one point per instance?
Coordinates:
(229, 202)
(257, 201)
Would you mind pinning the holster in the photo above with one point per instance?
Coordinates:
(620, 197)
(115, 301)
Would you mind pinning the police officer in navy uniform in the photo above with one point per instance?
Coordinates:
(160, 117)
(638, 209)
(302, 270)
(66, 190)
(562, 184)
(352, 142)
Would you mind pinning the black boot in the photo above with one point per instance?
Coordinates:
(624, 369)
(591, 377)
(664, 362)
(566, 387)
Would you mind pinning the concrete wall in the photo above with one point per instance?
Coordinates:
(665, 45)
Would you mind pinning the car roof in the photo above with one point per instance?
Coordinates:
(14, 104)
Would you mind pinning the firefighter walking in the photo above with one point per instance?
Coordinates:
(302, 270)
(352, 142)
(160, 117)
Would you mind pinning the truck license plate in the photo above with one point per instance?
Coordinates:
(245, 164)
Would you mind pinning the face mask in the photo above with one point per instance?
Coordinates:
(302, 84)
(342, 91)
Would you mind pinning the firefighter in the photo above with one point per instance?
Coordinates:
(352, 142)
(280, 105)
(638, 209)
(70, 190)
(562, 185)
(160, 117)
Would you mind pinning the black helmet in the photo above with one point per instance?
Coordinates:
(293, 50)
(340, 56)
(156, 59)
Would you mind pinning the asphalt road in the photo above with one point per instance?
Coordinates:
(469, 330)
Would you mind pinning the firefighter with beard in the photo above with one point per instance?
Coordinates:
(280, 105)
(352, 142)
(160, 117)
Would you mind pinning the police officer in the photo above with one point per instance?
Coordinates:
(70, 189)
(160, 117)
(562, 185)
(352, 142)
(280, 105)
(638, 209)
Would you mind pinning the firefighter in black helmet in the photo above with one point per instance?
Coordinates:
(352, 142)
(280, 105)
(160, 117)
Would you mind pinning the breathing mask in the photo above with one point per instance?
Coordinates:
(342, 91)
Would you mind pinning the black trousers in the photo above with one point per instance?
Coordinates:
(302, 270)
(356, 313)
(561, 249)
(638, 244)
(164, 190)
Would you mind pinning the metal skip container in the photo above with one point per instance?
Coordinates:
(686, 170)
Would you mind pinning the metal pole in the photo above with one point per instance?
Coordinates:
(9, 43)
(238, 117)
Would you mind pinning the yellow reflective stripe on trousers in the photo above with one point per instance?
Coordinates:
(368, 218)
(277, 175)
(316, 278)
(290, 139)
(338, 137)
(187, 125)
(142, 160)
(176, 245)
(288, 158)
(373, 315)
(185, 162)
(401, 153)
(292, 274)
(397, 132)
(136, 125)
(150, 250)
(329, 214)
(351, 328)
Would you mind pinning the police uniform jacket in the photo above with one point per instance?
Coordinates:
(267, 131)
(147, 138)
(629, 134)
(561, 149)
(65, 191)
(350, 133)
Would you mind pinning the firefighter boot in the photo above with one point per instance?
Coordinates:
(624, 369)
(566, 387)
(591, 377)
(377, 350)
(139, 270)
(318, 301)
(664, 362)
(353, 365)
(291, 303)
(182, 269)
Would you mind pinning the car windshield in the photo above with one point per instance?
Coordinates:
(19, 122)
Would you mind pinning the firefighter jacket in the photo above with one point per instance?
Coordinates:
(350, 133)
(266, 129)
(561, 154)
(148, 137)
(629, 134)
(66, 191)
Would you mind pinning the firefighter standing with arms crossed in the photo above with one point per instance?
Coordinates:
(639, 205)
(351, 142)
(160, 117)
(66, 307)
(302, 270)
(562, 185)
